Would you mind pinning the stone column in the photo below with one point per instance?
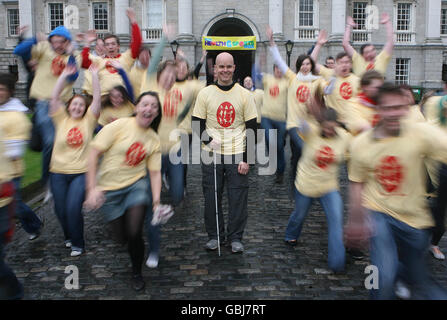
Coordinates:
(26, 16)
(338, 20)
(275, 18)
(121, 20)
(432, 16)
(185, 20)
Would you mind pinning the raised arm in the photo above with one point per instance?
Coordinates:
(56, 102)
(95, 106)
(200, 64)
(321, 41)
(277, 59)
(123, 74)
(158, 51)
(389, 45)
(347, 37)
(136, 40)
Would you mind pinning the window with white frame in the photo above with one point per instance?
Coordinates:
(100, 15)
(55, 15)
(306, 20)
(13, 22)
(444, 19)
(404, 22)
(402, 71)
(153, 19)
(359, 15)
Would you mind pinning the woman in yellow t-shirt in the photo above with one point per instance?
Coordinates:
(130, 147)
(317, 178)
(73, 131)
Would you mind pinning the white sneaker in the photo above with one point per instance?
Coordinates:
(75, 253)
(437, 253)
(402, 291)
(67, 244)
(152, 261)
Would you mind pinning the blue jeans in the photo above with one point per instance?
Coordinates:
(69, 195)
(153, 232)
(333, 208)
(10, 287)
(29, 220)
(399, 249)
(46, 129)
(280, 126)
(175, 177)
(296, 145)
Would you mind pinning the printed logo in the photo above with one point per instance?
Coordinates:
(274, 91)
(171, 102)
(135, 154)
(370, 66)
(57, 66)
(324, 157)
(110, 68)
(345, 90)
(302, 93)
(389, 173)
(74, 138)
(225, 114)
(375, 120)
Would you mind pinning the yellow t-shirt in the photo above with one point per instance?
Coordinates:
(15, 126)
(392, 171)
(71, 141)
(49, 68)
(226, 113)
(108, 75)
(298, 95)
(432, 112)
(136, 78)
(380, 63)
(6, 171)
(128, 151)
(274, 105)
(258, 95)
(318, 167)
(111, 113)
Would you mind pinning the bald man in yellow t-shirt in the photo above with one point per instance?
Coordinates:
(225, 110)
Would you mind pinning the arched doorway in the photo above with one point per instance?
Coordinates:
(243, 59)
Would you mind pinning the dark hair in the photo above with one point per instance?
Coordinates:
(156, 122)
(300, 61)
(9, 81)
(389, 88)
(341, 55)
(369, 76)
(163, 66)
(108, 36)
(329, 114)
(179, 60)
(329, 58)
(86, 101)
(363, 47)
(122, 90)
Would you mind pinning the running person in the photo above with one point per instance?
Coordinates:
(226, 111)
(74, 131)
(130, 148)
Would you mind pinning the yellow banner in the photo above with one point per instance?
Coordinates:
(229, 43)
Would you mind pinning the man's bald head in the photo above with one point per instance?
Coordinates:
(225, 68)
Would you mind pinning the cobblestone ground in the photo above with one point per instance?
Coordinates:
(268, 269)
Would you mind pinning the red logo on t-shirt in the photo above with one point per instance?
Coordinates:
(346, 90)
(324, 157)
(225, 114)
(171, 102)
(274, 91)
(375, 120)
(302, 93)
(57, 66)
(370, 66)
(389, 173)
(135, 154)
(110, 68)
(74, 138)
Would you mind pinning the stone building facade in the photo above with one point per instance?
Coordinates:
(419, 58)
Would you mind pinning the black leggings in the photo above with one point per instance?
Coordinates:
(440, 206)
(129, 228)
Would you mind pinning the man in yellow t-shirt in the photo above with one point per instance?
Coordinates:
(258, 95)
(226, 111)
(16, 130)
(368, 59)
(387, 180)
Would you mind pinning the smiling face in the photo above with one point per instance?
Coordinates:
(147, 110)
(248, 83)
(306, 66)
(77, 107)
(116, 97)
(225, 68)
